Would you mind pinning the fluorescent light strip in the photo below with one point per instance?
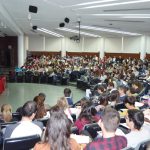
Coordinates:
(49, 32)
(138, 17)
(115, 4)
(120, 15)
(108, 30)
(52, 32)
(94, 2)
(76, 31)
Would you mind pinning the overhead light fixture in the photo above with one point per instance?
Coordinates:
(93, 2)
(76, 31)
(49, 32)
(109, 30)
(118, 15)
(115, 4)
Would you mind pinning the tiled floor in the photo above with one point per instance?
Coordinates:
(17, 94)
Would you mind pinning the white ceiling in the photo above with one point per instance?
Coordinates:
(15, 13)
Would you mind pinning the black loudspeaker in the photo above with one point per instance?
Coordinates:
(34, 27)
(33, 9)
(67, 20)
(62, 24)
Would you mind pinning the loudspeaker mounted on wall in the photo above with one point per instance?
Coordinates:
(67, 20)
(61, 24)
(33, 9)
(34, 27)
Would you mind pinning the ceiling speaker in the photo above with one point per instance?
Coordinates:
(67, 20)
(61, 24)
(34, 27)
(33, 9)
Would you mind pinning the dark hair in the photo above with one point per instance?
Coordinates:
(122, 87)
(67, 92)
(110, 119)
(130, 100)
(137, 117)
(114, 96)
(103, 99)
(29, 108)
(101, 87)
(58, 129)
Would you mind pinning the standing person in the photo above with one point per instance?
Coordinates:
(109, 141)
(67, 94)
(57, 135)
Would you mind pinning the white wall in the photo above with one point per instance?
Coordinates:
(53, 44)
(112, 45)
(132, 44)
(148, 45)
(36, 43)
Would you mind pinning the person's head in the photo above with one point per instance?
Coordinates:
(6, 111)
(38, 100)
(114, 96)
(100, 89)
(58, 129)
(130, 101)
(42, 96)
(62, 103)
(122, 90)
(67, 92)
(103, 99)
(110, 120)
(134, 119)
(110, 85)
(29, 109)
(136, 85)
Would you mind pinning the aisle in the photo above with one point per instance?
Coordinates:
(17, 93)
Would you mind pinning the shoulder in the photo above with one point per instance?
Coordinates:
(74, 144)
(40, 146)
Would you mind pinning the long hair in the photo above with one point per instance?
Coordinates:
(58, 129)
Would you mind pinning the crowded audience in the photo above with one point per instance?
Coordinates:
(117, 87)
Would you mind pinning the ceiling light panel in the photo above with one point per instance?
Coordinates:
(109, 30)
(76, 31)
(115, 4)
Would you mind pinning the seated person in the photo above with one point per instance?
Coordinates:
(25, 127)
(122, 93)
(129, 104)
(109, 122)
(88, 115)
(67, 94)
(6, 113)
(57, 135)
(135, 121)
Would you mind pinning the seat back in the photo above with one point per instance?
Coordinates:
(144, 145)
(4, 125)
(21, 143)
(16, 116)
(92, 129)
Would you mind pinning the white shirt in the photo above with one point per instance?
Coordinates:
(26, 128)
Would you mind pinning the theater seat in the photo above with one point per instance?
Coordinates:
(92, 130)
(144, 145)
(21, 143)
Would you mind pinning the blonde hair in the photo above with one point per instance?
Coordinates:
(6, 111)
(62, 103)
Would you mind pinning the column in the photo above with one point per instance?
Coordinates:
(143, 47)
(44, 43)
(20, 50)
(26, 46)
(102, 47)
(63, 47)
(122, 44)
